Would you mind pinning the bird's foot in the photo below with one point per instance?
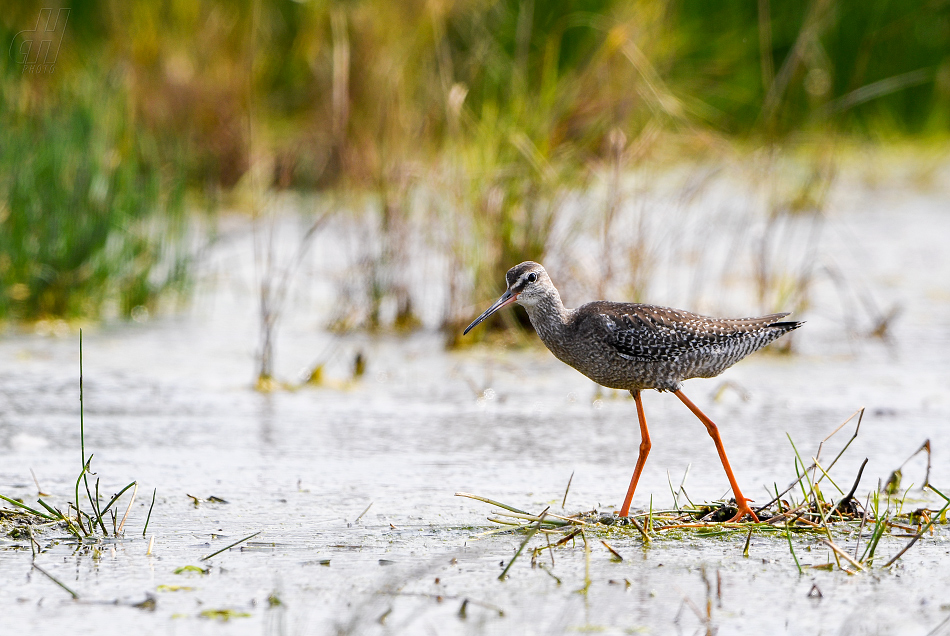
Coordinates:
(744, 510)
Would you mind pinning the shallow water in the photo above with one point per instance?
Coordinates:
(168, 404)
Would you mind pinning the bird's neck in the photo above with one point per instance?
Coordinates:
(549, 316)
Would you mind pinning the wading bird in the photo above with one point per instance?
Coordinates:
(635, 347)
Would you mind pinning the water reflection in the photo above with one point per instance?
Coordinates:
(265, 419)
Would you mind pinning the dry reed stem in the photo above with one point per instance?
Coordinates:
(844, 555)
(129, 508)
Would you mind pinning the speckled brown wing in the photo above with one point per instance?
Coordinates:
(646, 333)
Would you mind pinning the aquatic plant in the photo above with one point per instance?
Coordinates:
(827, 521)
(82, 523)
(275, 275)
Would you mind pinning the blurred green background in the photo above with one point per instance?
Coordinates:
(156, 110)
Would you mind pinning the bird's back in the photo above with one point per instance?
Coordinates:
(638, 346)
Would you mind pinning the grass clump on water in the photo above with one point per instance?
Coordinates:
(829, 520)
(84, 524)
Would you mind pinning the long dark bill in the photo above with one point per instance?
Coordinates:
(506, 299)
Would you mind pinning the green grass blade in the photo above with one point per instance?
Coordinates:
(27, 508)
(250, 536)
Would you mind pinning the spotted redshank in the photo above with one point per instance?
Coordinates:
(634, 347)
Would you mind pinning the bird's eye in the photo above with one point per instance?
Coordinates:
(532, 277)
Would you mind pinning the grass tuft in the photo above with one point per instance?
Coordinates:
(813, 517)
(77, 521)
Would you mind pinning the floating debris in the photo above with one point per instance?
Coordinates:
(223, 615)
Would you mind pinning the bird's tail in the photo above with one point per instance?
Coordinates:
(787, 326)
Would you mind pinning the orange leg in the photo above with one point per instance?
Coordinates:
(741, 501)
(642, 459)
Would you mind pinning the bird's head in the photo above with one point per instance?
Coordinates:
(527, 282)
